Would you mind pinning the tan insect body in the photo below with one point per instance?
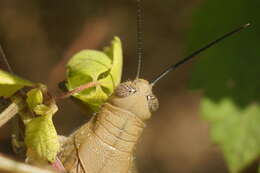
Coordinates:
(106, 143)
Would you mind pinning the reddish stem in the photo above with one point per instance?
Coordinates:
(76, 90)
(58, 166)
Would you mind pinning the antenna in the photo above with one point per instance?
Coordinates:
(139, 36)
(174, 66)
(4, 59)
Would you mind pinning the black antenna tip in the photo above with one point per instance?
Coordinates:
(174, 66)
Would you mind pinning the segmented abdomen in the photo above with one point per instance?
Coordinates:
(106, 145)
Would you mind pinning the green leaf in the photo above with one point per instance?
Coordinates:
(228, 74)
(10, 83)
(115, 53)
(34, 98)
(89, 66)
(235, 129)
(41, 137)
(45, 110)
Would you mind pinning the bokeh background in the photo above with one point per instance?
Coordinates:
(39, 36)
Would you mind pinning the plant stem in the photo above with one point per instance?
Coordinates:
(8, 113)
(76, 90)
(11, 110)
(18, 167)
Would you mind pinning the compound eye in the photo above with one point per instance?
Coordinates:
(124, 90)
(152, 103)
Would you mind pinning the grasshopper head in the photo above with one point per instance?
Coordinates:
(136, 97)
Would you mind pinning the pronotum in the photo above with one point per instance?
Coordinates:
(106, 143)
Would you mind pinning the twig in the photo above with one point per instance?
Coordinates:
(18, 167)
(8, 113)
(16, 104)
(76, 90)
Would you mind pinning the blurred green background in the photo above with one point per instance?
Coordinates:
(40, 36)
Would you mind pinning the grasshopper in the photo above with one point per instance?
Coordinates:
(106, 143)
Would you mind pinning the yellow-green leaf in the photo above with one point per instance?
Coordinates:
(116, 54)
(45, 110)
(41, 139)
(10, 83)
(34, 98)
(91, 65)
